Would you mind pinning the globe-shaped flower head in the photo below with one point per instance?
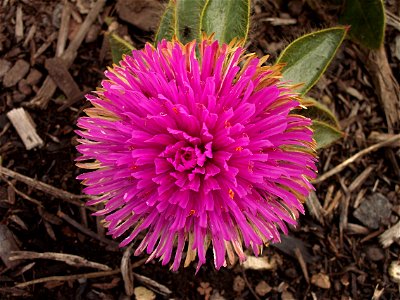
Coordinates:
(194, 146)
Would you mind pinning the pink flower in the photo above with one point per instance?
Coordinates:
(194, 146)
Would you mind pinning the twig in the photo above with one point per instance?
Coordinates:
(23, 195)
(371, 235)
(29, 36)
(64, 28)
(279, 21)
(393, 20)
(68, 277)
(249, 286)
(78, 276)
(343, 218)
(49, 87)
(86, 231)
(126, 271)
(376, 137)
(302, 263)
(46, 188)
(153, 285)
(46, 45)
(72, 260)
(5, 129)
(355, 157)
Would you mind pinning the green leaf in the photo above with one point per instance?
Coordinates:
(118, 47)
(324, 134)
(188, 13)
(167, 27)
(367, 20)
(325, 125)
(317, 111)
(227, 19)
(308, 57)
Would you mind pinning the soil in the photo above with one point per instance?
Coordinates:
(339, 254)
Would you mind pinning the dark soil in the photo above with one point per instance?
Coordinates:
(354, 261)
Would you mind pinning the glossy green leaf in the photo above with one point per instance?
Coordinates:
(308, 57)
(227, 19)
(317, 111)
(118, 47)
(367, 21)
(324, 134)
(188, 14)
(167, 27)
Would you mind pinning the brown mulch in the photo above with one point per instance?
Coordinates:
(334, 253)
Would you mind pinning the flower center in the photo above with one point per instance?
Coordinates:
(185, 159)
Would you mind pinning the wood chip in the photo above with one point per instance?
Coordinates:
(25, 127)
(360, 198)
(19, 25)
(239, 284)
(356, 229)
(390, 236)
(260, 263)
(321, 280)
(359, 181)
(263, 288)
(144, 14)
(33, 77)
(5, 65)
(49, 230)
(377, 293)
(17, 220)
(394, 271)
(315, 208)
(61, 77)
(141, 293)
(49, 87)
(8, 244)
(355, 93)
(23, 269)
(286, 295)
(16, 73)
